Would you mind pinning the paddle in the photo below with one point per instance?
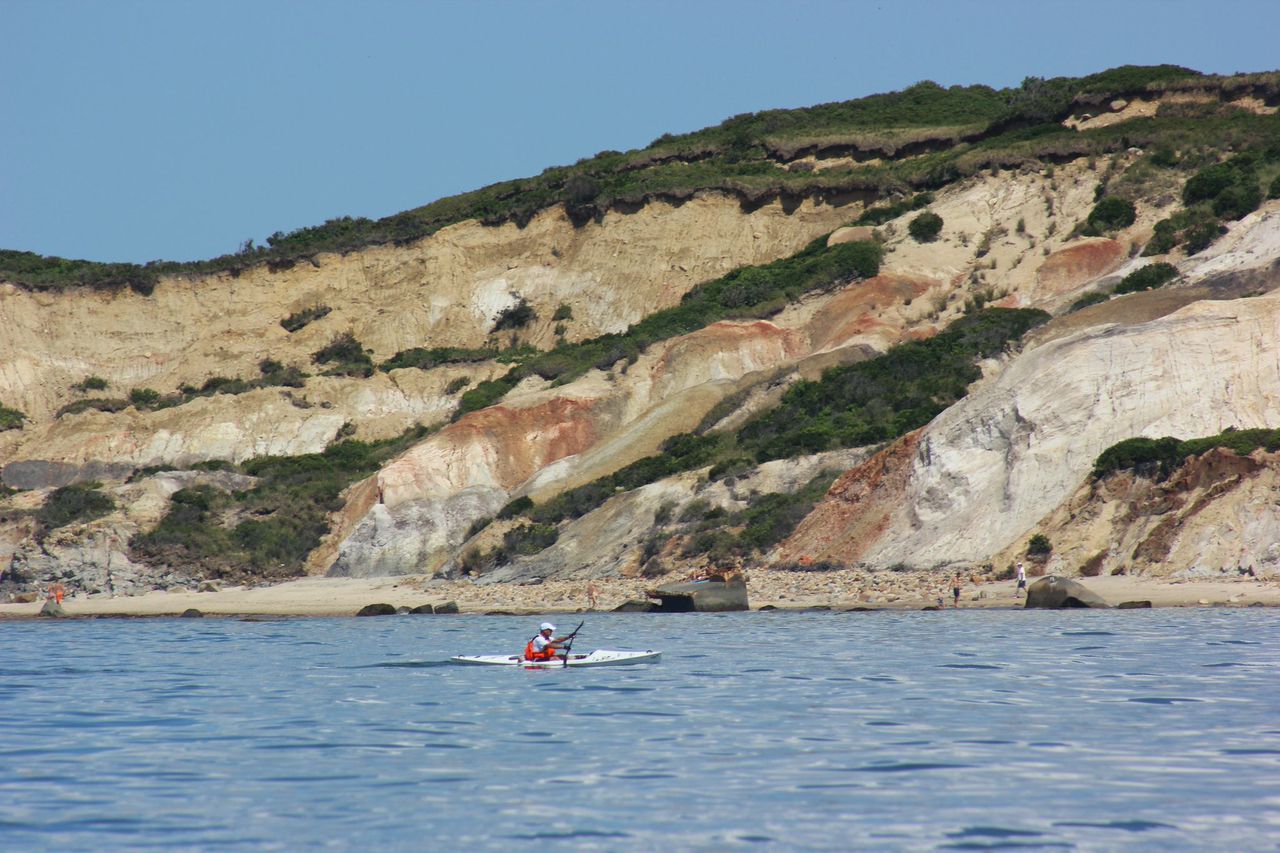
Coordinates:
(569, 648)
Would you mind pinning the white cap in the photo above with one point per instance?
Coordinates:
(547, 626)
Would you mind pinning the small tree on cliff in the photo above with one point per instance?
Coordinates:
(925, 227)
(1039, 546)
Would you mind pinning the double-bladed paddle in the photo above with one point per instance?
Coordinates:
(569, 648)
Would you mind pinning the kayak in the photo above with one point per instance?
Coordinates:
(600, 657)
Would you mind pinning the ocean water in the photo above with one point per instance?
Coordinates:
(975, 730)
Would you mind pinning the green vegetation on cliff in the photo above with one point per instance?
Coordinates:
(744, 293)
(268, 530)
(1159, 457)
(71, 504)
(884, 397)
(852, 406)
(921, 138)
(10, 418)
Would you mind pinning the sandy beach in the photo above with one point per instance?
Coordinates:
(766, 589)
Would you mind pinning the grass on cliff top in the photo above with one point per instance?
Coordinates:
(269, 530)
(1159, 457)
(741, 156)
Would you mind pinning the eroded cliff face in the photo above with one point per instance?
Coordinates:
(968, 488)
(1215, 513)
(976, 482)
(444, 290)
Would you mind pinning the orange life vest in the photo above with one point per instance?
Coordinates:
(530, 653)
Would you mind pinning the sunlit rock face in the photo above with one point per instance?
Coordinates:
(976, 482)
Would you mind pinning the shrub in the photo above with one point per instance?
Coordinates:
(90, 383)
(515, 316)
(94, 403)
(519, 506)
(1207, 183)
(1039, 545)
(487, 393)
(926, 227)
(1274, 190)
(1147, 278)
(10, 418)
(563, 312)
(297, 320)
(276, 374)
(1200, 237)
(1111, 213)
(527, 540)
(75, 503)
(1094, 298)
(456, 385)
(883, 213)
(478, 525)
(425, 359)
(346, 355)
(144, 398)
(1150, 456)
(1177, 229)
(1157, 458)
(1237, 200)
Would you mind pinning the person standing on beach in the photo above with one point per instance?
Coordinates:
(955, 590)
(592, 594)
(1022, 576)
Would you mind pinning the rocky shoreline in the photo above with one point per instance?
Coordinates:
(767, 589)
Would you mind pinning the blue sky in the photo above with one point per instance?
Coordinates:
(143, 129)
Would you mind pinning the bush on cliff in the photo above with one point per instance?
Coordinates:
(926, 227)
(882, 213)
(267, 530)
(10, 418)
(1147, 278)
(1111, 213)
(79, 502)
(884, 397)
(346, 355)
(1157, 458)
(299, 319)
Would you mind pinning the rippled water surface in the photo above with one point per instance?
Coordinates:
(955, 730)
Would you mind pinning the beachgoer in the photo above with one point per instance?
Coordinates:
(1022, 576)
(56, 591)
(955, 590)
(543, 646)
(592, 594)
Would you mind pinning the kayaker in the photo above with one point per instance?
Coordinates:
(544, 646)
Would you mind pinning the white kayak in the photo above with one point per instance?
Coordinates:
(600, 657)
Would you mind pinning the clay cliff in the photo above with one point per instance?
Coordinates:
(185, 404)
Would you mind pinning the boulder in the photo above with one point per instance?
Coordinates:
(1057, 593)
(1133, 605)
(52, 608)
(192, 613)
(714, 595)
(636, 606)
(423, 609)
(851, 234)
(209, 586)
(446, 608)
(377, 610)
